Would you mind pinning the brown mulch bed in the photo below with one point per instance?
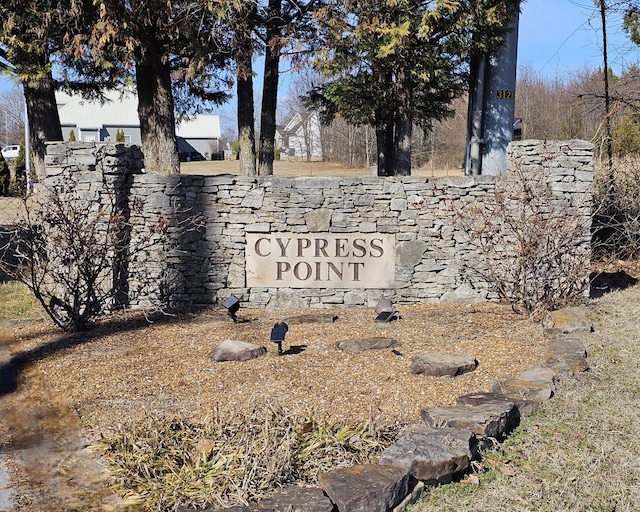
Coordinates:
(77, 388)
(128, 367)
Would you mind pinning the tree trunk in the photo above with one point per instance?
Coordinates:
(403, 125)
(246, 131)
(156, 113)
(385, 145)
(44, 121)
(270, 90)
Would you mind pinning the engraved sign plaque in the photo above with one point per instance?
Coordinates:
(320, 260)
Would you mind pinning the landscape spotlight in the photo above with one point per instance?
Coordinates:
(233, 305)
(277, 335)
(385, 311)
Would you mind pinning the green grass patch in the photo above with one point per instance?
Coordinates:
(17, 302)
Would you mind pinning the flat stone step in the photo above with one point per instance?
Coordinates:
(366, 487)
(363, 344)
(494, 420)
(571, 350)
(537, 391)
(295, 498)
(567, 320)
(440, 365)
(312, 319)
(432, 455)
(525, 407)
(539, 374)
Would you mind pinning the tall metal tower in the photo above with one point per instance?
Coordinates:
(492, 104)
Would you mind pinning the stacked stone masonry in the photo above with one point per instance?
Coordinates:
(199, 224)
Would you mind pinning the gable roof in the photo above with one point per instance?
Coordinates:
(205, 126)
(121, 109)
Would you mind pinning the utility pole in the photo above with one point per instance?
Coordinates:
(492, 104)
(607, 97)
(27, 149)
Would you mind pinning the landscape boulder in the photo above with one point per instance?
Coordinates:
(234, 350)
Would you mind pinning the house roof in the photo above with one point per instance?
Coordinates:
(294, 123)
(121, 109)
(200, 127)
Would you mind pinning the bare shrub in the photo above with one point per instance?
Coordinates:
(616, 224)
(72, 250)
(531, 243)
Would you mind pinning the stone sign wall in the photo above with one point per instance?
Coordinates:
(309, 241)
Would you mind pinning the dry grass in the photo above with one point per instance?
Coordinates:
(231, 458)
(292, 168)
(580, 452)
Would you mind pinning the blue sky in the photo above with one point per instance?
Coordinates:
(558, 38)
(561, 37)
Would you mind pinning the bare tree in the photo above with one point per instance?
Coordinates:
(12, 117)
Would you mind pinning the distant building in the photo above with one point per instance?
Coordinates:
(300, 138)
(95, 121)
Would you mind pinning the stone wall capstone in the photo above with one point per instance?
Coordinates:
(318, 236)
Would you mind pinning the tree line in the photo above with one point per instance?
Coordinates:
(388, 64)
(392, 73)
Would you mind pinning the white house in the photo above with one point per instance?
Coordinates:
(300, 138)
(96, 121)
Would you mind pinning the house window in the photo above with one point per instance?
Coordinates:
(89, 138)
(127, 139)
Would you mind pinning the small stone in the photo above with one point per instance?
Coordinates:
(360, 345)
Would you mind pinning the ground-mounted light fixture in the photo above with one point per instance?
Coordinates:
(385, 311)
(233, 305)
(277, 335)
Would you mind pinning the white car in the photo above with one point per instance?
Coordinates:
(10, 152)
